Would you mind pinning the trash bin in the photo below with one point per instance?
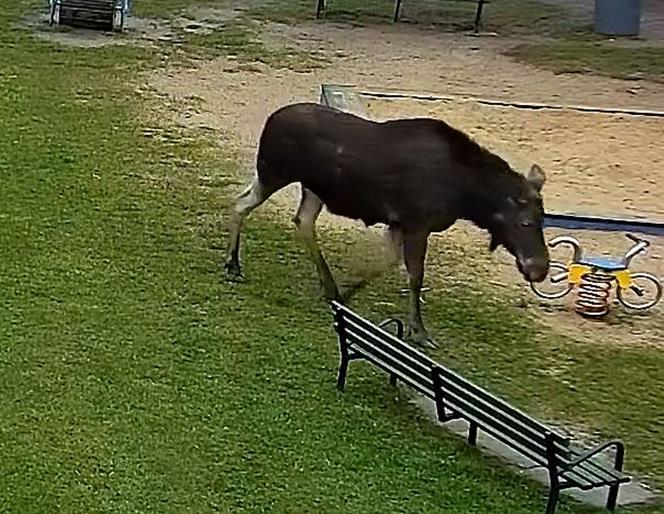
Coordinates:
(618, 17)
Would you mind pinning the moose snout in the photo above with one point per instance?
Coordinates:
(534, 269)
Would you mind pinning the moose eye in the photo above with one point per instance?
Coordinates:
(527, 223)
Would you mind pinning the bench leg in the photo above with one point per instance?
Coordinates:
(612, 498)
(397, 10)
(54, 18)
(343, 370)
(393, 379)
(478, 15)
(553, 500)
(472, 434)
(552, 466)
(320, 7)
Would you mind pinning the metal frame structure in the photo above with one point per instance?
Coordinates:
(456, 397)
(106, 14)
(321, 7)
(346, 98)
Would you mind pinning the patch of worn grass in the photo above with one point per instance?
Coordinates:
(240, 38)
(227, 30)
(600, 58)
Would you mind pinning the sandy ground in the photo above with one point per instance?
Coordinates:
(595, 163)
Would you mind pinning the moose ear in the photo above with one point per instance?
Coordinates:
(536, 177)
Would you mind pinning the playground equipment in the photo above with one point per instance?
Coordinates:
(594, 278)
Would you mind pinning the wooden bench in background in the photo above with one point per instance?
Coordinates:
(456, 397)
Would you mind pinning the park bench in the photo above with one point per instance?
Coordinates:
(107, 14)
(456, 397)
(321, 6)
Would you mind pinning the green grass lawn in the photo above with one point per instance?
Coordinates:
(600, 58)
(134, 379)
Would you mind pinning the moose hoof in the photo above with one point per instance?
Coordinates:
(233, 271)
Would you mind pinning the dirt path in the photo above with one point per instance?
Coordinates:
(603, 164)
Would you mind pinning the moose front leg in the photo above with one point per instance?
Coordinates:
(414, 250)
(305, 220)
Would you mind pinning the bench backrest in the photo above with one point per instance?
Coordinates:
(385, 350)
(90, 4)
(449, 389)
(500, 419)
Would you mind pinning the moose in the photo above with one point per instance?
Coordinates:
(415, 176)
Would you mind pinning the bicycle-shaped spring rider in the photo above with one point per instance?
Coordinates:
(594, 278)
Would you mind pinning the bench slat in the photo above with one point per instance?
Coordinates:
(377, 361)
(86, 7)
(481, 395)
(88, 3)
(587, 480)
(533, 447)
(394, 347)
(594, 472)
(604, 473)
(597, 466)
(394, 350)
(401, 370)
(489, 412)
(390, 338)
(365, 347)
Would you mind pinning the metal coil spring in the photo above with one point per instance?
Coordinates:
(593, 294)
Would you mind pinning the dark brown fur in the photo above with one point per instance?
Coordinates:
(416, 176)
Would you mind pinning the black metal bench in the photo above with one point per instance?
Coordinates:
(455, 397)
(105, 14)
(321, 6)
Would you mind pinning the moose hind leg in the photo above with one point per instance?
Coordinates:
(415, 248)
(305, 220)
(253, 196)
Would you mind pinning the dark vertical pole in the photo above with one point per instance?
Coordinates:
(320, 7)
(472, 433)
(397, 10)
(343, 350)
(478, 15)
(438, 392)
(612, 498)
(552, 465)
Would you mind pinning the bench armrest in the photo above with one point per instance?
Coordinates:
(397, 322)
(620, 454)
